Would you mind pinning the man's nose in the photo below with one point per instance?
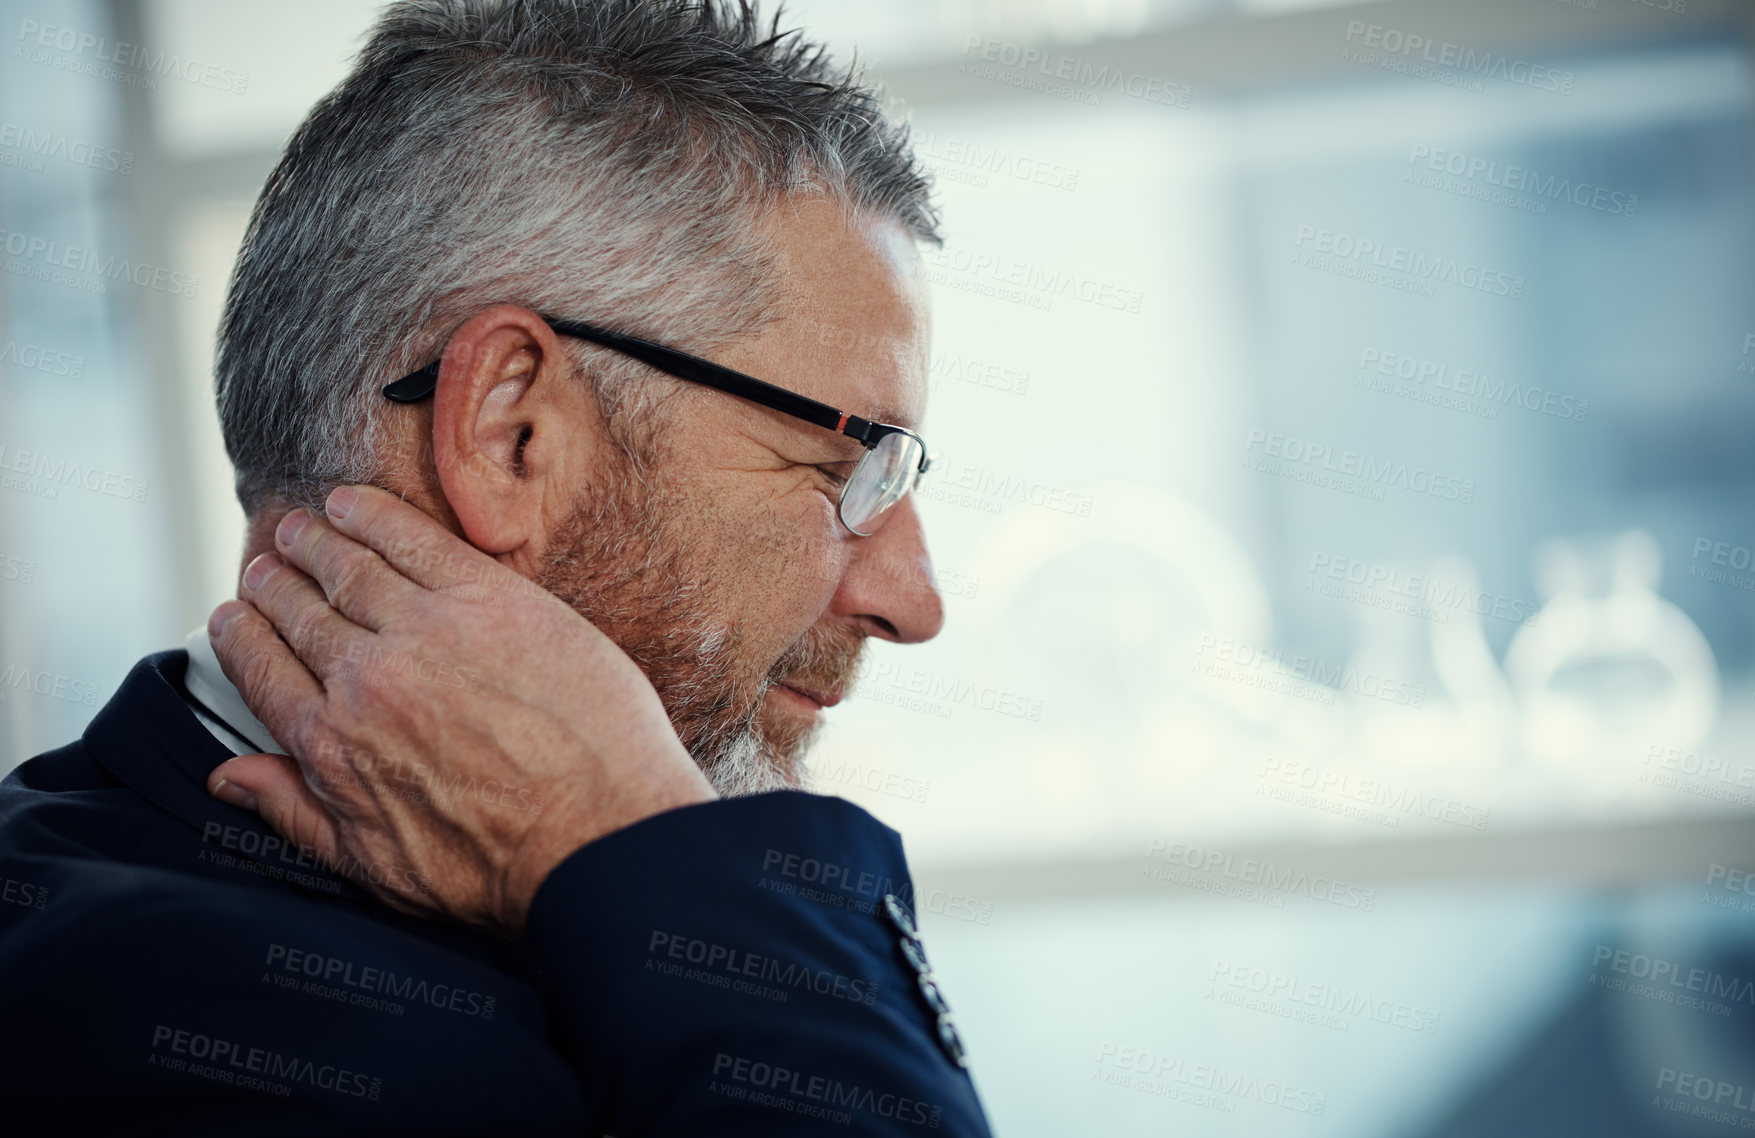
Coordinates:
(888, 585)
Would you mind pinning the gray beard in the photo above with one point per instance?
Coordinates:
(728, 747)
(616, 563)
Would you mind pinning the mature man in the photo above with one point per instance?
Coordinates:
(544, 595)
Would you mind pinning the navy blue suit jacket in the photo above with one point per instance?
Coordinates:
(169, 965)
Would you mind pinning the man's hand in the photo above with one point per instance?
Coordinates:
(456, 728)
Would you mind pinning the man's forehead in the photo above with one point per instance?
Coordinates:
(882, 379)
(856, 313)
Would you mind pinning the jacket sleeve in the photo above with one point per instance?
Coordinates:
(750, 966)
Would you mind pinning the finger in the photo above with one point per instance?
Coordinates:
(275, 787)
(277, 688)
(321, 637)
(358, 583)
(416, 545)
(281, 796)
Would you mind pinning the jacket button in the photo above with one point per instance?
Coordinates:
(916, 953)
(953, 1043)
(935, 997)
(900, 916)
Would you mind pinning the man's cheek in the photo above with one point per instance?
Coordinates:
(802, 573)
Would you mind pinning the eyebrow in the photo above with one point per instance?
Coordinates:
(884, 413)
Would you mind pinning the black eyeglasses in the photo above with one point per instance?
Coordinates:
(895, 458)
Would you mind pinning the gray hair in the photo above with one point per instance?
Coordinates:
(609, 160)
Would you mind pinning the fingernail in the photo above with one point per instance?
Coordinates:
(222, 616)
(341, 500)
(291, 526)
(232, 794)
(257, 573)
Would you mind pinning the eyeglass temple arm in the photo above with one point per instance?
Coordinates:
(419, 385)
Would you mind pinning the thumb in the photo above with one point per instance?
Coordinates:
(274, 787)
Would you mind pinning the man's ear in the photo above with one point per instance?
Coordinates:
(512, 439)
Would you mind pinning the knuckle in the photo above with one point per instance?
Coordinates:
(422, 555)
(309, 725)
(349, 579)
(235, 639)
(270, 595)
(293, 824)
(256, 671)
(368, 507)
(305, 628)
(355, 698)
(323, 762)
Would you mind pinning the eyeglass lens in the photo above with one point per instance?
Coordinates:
(883, 476)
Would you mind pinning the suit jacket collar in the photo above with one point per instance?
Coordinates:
(147, 736)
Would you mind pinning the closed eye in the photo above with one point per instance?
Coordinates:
(836, 472)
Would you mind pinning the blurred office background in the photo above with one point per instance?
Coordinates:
(1343, 725)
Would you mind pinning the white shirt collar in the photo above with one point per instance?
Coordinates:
(236, 727)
